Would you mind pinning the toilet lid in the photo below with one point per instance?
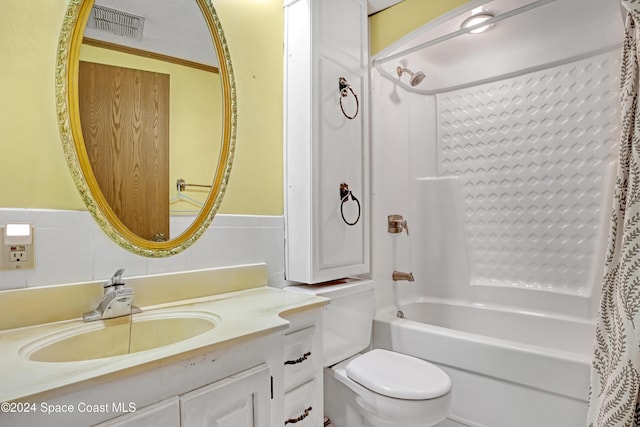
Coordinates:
(398, 375)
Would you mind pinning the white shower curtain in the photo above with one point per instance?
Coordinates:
(615, 372)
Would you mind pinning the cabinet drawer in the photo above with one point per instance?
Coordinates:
(299, 359)
(299, 409)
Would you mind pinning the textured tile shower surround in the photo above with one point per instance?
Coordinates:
(532, 154)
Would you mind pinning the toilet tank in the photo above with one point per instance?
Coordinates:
(347, 319)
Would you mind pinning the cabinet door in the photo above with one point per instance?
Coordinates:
(326, 140)
(241, 400)
(162, 414)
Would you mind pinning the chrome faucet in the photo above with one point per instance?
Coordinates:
(117, 300)
(399, 275)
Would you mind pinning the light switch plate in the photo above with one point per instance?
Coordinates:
(17, 257)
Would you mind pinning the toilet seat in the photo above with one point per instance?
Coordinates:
(398, 375)
(381, 410)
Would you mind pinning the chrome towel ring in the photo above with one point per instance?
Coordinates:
(345, 88)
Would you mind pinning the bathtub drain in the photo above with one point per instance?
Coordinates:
(400, 314)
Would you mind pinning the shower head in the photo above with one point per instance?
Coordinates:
(416, 78)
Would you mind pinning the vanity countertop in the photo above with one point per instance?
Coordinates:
(242, 314)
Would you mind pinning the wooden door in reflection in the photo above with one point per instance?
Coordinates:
(125, 123)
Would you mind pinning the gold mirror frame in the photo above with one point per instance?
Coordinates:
(67, 105)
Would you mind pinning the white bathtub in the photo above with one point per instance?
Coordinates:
(509, 368)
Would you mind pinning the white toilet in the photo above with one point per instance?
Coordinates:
(389, 389)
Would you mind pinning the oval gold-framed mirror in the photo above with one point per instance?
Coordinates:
(75, 150)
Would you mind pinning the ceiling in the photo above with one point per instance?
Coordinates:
(378, 5)
(171, 28)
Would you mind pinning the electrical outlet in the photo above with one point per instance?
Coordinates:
(18, 253)
(17, 257)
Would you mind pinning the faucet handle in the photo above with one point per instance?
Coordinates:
(396, 223)
(116, 279)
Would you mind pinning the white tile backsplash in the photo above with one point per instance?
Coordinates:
(62, 254)
(109, 257)
(71, 248)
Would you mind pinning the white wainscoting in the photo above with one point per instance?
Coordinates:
(71, 248)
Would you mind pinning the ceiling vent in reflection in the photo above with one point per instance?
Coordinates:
(116, 22)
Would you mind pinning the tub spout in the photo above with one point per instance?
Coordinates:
(399, 275)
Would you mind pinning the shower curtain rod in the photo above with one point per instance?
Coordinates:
(503, 76)
(501, 17)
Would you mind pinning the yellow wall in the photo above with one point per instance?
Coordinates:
(391, 24)
(254, 31)
(33, 171)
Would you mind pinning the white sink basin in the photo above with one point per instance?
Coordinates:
(120, 336)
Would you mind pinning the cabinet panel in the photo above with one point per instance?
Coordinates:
(341, 159)
(344, 30)
(241, 400)
(161, 414)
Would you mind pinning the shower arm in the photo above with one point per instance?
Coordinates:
(465, 30)
(402, 84)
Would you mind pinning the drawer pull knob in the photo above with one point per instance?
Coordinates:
(299, 359)
(300, 418)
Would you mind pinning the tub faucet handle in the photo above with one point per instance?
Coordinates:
(400, 275)
(396, 223)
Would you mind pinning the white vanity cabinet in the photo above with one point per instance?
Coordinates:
(240, 400)
(326, 139)
(227, 386)
(302, 376)
(231, 375)
(286, 391)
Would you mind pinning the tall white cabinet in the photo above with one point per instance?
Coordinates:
(326, 139)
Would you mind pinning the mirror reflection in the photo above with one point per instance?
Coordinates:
(151, 111)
